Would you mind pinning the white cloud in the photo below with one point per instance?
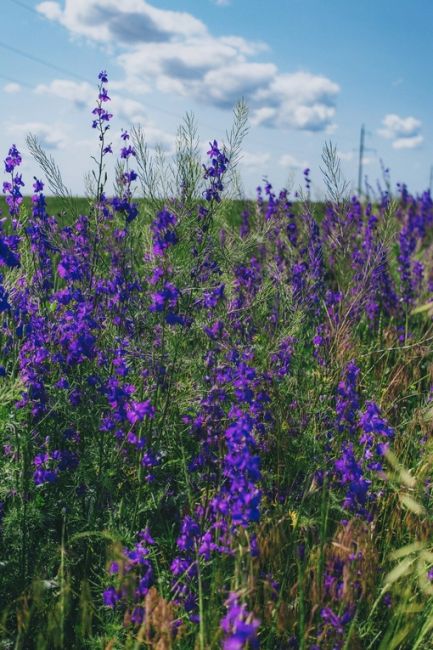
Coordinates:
(127, 22)
(174, 52)
(225, 86)
(299, 100)
(287, 160)
(222, 3)
(130, 111)
(187, 61)
(51, 136)
(395, 126)
(404, 131)
(408, 143)
(12, 88)
(82, 94)
(255, 160)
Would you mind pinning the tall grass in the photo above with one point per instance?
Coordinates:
(215, 413)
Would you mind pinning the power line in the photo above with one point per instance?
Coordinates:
(16, 81)
(25, 6)
(166, 111)
(52, 66)
(48, 64)
(36, 59)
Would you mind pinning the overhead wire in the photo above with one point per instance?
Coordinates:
(53, 66)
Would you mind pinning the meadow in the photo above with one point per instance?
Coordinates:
(215, 414)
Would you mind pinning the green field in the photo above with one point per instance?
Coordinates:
(215, 418)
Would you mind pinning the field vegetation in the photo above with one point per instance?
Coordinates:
(215, 414)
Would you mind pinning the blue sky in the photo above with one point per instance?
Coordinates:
(309, 71)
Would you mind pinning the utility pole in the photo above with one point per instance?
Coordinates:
(361, 159)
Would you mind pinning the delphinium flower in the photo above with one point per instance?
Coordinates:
(319, 342)
(133, 576)
(165, 300)
(307, 180)
(75, 264)
(235, 505)
(235, 390)
(416, 215)
(165, 297)
(351, 477)
(124, 409)
(291, 226)
(382, 298)
(348, 577)
(272, 203)
(206, 272)
(163, 231)
(184, 568)
(76, 335)
(245, 226)
(355, 215)
(349, 467)
(348, 402)
(126, 176)
(280, 234)
(9, 255)
(40, 231)
(102, 116)
(239, 498)
(4, 303)
(417, 277)
(215, 172)
(376, 435)
(48, 466)
(248, 280)
(239, 626)
(33, 359)
(12, 188)
(341, 230)
(372, 291)
(101, 121)
(260, 204)
(332, 629)
(425, 208)
(282, 358)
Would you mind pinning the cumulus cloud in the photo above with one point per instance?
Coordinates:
(174, 52)
(408, 143)
(287, 160)
(126, 22)
(405, 132)
(81, 94)
(255, 160)
(12, 88)
(300, 100)
(51, 136)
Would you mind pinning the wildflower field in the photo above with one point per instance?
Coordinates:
(215, 414)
